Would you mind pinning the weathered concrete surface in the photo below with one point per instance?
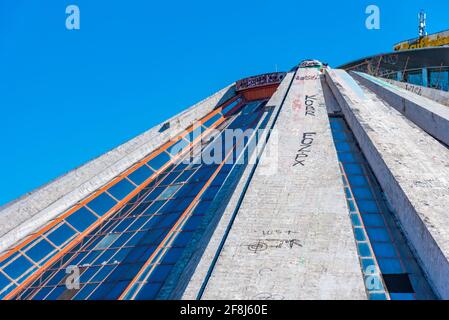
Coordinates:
(199, 277)
(427, 114)
(412, 169)
(292, 237)
(27, 214)
(439, 96)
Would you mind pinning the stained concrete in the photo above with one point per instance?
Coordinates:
(431, 116)
(412, 169)
(439, 96)
(27, 214)
(292, 237)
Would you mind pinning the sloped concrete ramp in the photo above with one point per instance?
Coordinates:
(292, 238)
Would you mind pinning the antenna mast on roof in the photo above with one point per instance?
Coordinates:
(422, 24)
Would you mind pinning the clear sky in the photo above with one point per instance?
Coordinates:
(67, 97)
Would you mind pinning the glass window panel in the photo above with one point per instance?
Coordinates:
(184, 177)
(390, 266)
(168, 220)
(359, 234)
(8, 259)
(356, 220)
(107, 241)
(155, 193)
(219, 179)
(60, 234)
(337, 125)
(347, 157)
(378, 234)
(124, 237)
(121, 189)
(368, 265)
(103, 273)
(364, 250)
(18, 267)
(342, 136)
(193, 223)
(195, 189)
(228, 108)
(351, 206)
(75, 258)
(106, 256)
(161, 273)
(140, 253)
(7, 290)
(377, 296)
(124, 224)
(40, 250)
(89, 273)
(343, 146)
(367, 206)
(102, 204)
(56, 293)
(362, 193)
(149, 291)
(90, 258)
(439, 80)
(169, 179)
(348, 193)
(183, 203)
(81, 219)
(85, 292)
(4, 281)
(354, 168)
(384, 250)
(42, 293)
(357, 181)
(159, 161)
(183, 239)
(141, 175)
(212, 120)
(169, 192)
(415, 78)
(172, 256)
(373, 220)
(402, 296)
(210, 193)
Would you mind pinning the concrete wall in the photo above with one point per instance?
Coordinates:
(439, 96)
(292, 237)
(27, 214)
(427, 114)
(412, 169)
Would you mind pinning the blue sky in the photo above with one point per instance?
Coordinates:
(67, 97)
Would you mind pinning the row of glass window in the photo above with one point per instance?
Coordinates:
(17, 267)
(381, 246)
(124, 242)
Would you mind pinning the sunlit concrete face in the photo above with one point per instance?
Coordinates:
(311, 184)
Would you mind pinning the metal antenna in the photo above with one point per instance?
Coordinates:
(422, 24)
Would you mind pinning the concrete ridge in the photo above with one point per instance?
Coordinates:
(429, 115)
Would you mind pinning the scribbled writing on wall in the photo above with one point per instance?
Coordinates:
(305, 148)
